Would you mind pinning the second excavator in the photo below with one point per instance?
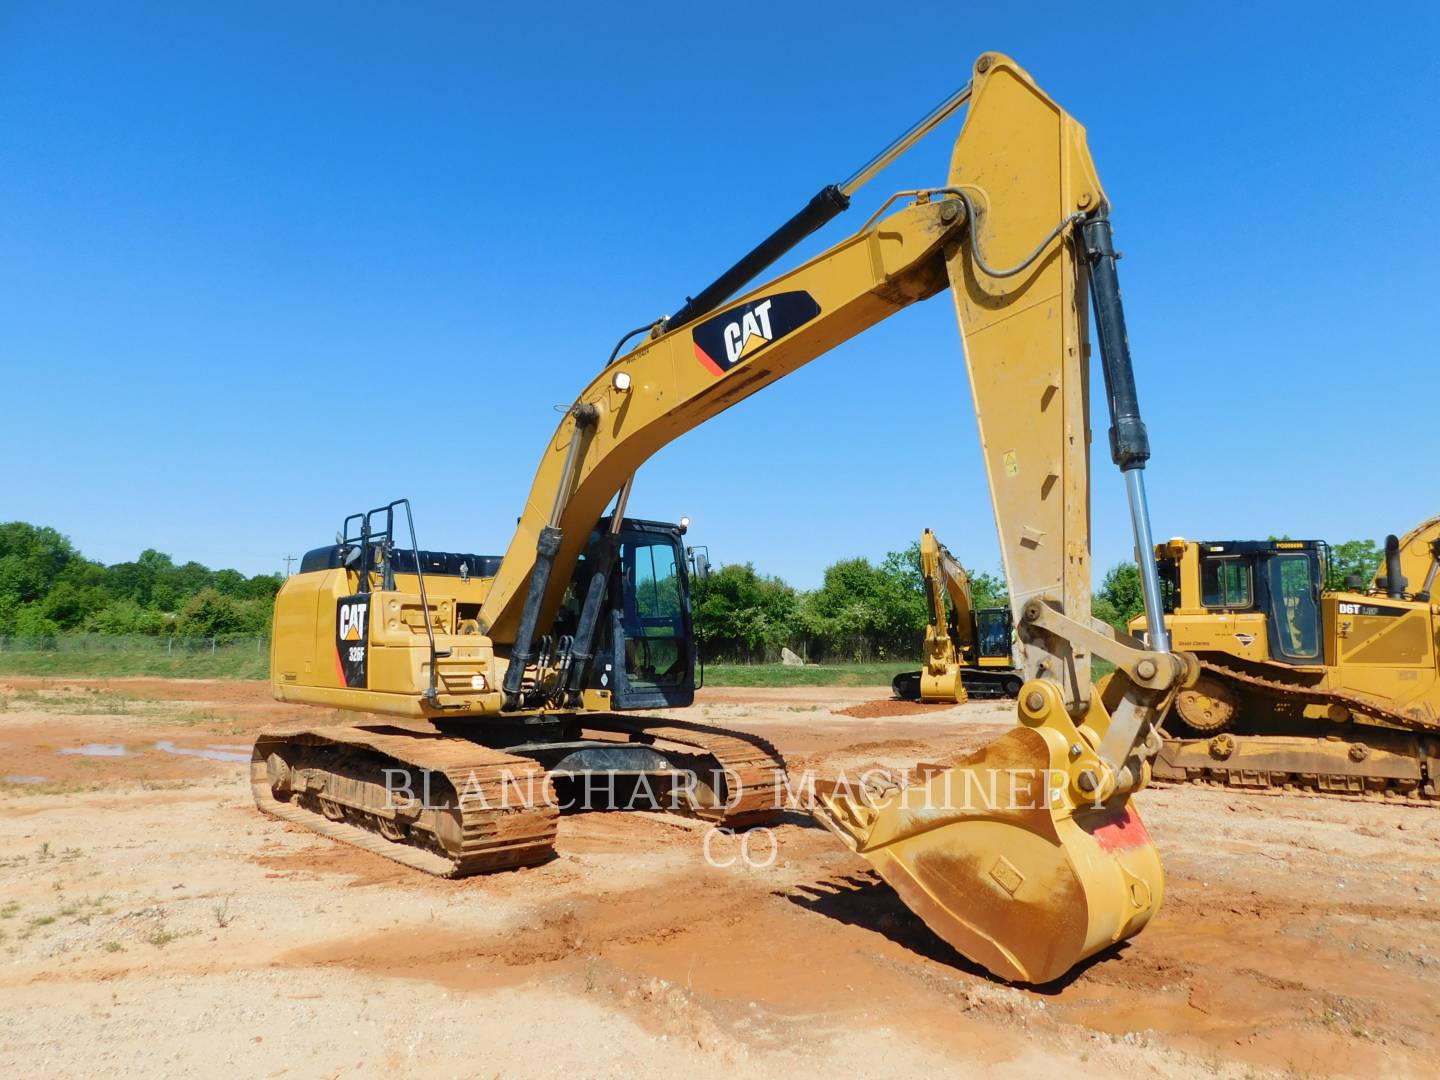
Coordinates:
(499, 679)
(967, 649)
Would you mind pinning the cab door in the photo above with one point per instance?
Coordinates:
(651, 649)
(1293, 588)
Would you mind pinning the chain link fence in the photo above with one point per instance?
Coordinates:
(845, 649)
(139, 645)
(218, 656)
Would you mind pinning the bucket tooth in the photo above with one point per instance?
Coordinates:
(995, 856)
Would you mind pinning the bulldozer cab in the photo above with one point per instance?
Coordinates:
(646, 654)
(1280, 579)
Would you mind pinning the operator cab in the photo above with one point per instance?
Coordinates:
(1281, 579)
(645, 645)
(993, 633)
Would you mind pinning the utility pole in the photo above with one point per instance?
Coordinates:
(288, 560)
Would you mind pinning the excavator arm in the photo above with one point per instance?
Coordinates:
(943, 576)
(943, 572)
(1021, 236)
(1411, 563)
(1020, 233)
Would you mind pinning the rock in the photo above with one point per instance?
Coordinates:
(789, 659)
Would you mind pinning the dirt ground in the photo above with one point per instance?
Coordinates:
(152, 921)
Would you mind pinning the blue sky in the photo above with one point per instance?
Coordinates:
(269, 264)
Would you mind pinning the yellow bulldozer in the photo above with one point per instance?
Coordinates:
(967, 649)
(491, 690)
(1334, 690)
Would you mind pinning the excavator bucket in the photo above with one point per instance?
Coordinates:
(1002, 861)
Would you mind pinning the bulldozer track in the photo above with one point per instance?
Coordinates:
(1289, 764)
(479, 809)
(1310, 695)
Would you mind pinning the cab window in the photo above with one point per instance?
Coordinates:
(1226, 583)
(654, 627)
(993, 630)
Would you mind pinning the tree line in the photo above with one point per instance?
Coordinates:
(868, 611)
(47, 588)
(861, 611)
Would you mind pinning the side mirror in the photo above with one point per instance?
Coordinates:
(350, 558)
(699, 563)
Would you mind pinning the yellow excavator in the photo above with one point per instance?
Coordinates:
(500, 688)
(967, 649)
(1329, 690)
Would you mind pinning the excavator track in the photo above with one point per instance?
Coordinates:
(1395, 754)
(753, 770)
(488, 810)
(452, 806)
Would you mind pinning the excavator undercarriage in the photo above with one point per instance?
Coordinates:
(453, 806)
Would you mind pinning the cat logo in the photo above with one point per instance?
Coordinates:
(352, 620)
(738, 334)
(753, 325)
(352, 633)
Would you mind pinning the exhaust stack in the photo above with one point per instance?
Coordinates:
(1394, 581)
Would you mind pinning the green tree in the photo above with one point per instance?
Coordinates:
(1353, 558)
(988, 590)
(881, 606)
(209, 614)
(47, 587)
(31, 559)
(67, 604)
(263, 587)
(1120, 597)
(30, 622)
(740, 613)
(125, 616)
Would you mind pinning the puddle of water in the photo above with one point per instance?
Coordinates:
(212, 753)
(96, 749)
(232, 746)
(25, 779)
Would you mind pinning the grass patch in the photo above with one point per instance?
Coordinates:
(239, 663)
(877, 674)
(161, 938)
(50, 787)
(91, 701)
(112, 946)
(85, 703)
